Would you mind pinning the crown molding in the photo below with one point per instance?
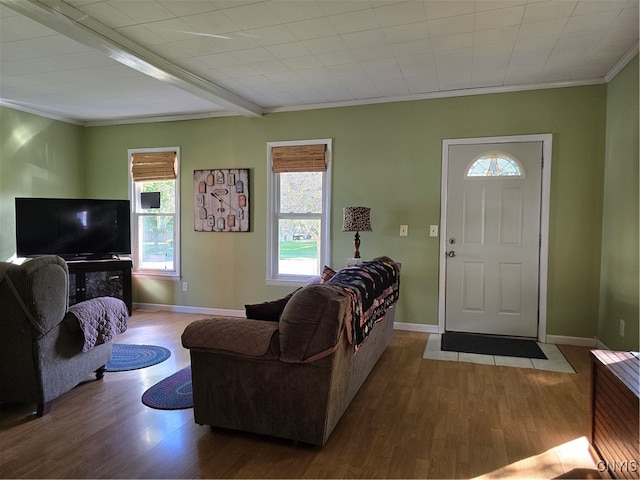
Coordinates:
(39, 112)
(316, 106)
(444, 94)
(623, 62)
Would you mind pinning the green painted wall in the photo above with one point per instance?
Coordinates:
(619, 289)
(39, 157)
(388, 157)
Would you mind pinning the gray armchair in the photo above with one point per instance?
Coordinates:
(40, 342)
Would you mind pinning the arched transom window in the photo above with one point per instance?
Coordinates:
(495, 164)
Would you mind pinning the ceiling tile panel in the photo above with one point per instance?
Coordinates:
(365, 39)
(141, 11)
(288, 50)
(451, 26)
(498, 18)
(496, 35)
(180, 8)
(407, 32)
(355, 21)
(592, 21)
(594, 6)
(314, 28)
(274, 35)
(326, 45)
(108, 14)
(214, 23)
(251, 16)
(288, 11)
(452, 42)
(549, 29)
(446, 8)
(15, 28)
(401, 14)
(336, 58)
(543, 11)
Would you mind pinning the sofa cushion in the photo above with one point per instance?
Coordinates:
(269, 311)
(311, 322)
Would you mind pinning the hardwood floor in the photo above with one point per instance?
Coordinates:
(413, 418)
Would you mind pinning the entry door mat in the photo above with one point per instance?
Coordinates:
(490, 345)
(172, 393)
(126, 356)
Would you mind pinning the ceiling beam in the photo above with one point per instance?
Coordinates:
(71, 22)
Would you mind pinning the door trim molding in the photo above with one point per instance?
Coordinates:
(546, 139)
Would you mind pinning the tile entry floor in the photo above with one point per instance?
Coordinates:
(555, 360)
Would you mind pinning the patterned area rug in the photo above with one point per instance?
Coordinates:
(132, 357)
(172, 393)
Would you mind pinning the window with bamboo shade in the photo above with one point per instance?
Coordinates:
(299, 158)
(155, 225)
(298, 190)
(153, 166)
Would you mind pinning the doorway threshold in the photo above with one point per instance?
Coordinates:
(555, 361)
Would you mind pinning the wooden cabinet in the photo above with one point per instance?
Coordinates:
(615, 422)
(100, 278)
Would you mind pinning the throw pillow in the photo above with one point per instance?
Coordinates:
(270, 311)
(327, 273)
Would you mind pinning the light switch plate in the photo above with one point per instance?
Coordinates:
(433, 230)
(404, 230)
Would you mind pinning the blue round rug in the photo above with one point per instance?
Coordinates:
(132, 357)
(172, 393)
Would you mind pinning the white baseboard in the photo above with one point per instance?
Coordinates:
(157, 307)
(415, 327)
(577, 341)
(410, 327)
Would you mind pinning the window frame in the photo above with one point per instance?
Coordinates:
(273, 215)
(134, 199)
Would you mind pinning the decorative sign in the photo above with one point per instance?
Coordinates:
(221, 200)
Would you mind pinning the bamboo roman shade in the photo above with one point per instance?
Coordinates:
(150, 166)
(299, 158)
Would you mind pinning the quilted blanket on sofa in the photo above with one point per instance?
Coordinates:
(101, 319)
(373, 286)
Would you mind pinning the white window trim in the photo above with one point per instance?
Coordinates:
(272, 229)
(139, 273)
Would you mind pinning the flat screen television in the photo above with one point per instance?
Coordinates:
(72, 228)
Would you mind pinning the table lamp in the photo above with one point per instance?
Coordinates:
(356, 219)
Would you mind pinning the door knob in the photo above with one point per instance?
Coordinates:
(451, 254)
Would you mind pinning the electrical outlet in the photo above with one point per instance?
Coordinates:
(185, 286)
(621, 330)
(404, 230)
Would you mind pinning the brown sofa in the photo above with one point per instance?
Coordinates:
(291, 379)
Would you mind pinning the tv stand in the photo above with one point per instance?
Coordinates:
(100, 278)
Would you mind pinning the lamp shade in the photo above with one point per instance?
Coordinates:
(356, 219)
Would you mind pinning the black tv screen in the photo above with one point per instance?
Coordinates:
(72, 228)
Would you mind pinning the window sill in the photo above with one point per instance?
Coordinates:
(289, 281)
(173, 276)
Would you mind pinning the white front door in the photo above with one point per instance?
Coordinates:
(492, 237)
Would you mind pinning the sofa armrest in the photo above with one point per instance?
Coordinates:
(41, 287)
(235, 335)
